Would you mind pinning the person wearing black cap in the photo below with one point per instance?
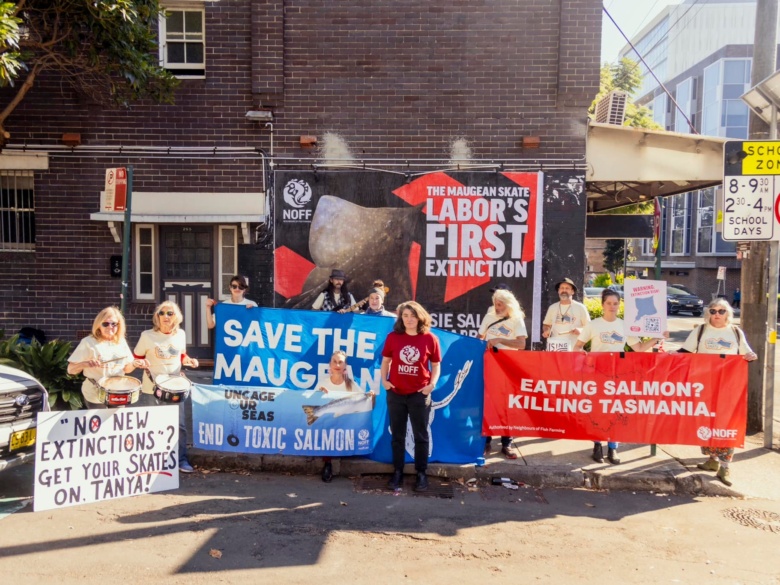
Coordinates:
(503, 328)
(335, 297)
(566, 318)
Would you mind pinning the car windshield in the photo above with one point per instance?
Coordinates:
(670, 290)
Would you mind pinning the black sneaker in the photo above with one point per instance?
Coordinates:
(598, 453)
(396, 481)
(327, 472)
(422, 482)
(612, 456)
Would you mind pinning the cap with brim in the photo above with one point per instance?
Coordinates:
(568, 281)
(335, 273)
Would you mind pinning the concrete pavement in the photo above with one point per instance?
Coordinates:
(556, 463)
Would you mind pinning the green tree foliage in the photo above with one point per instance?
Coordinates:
(103, 49)
(602, 281)
(613, 255)
(626, 76)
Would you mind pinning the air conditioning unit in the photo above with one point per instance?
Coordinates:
(611, 109)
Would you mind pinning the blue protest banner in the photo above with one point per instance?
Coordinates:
(281, 349)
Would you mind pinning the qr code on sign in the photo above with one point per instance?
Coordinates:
(653, 324)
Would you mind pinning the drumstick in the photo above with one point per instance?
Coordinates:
(113, 360)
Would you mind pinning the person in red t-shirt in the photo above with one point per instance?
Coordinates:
(411, 356)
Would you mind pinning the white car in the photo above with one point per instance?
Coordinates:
(22, 397)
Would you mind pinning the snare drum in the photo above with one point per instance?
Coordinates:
(173, 389)
(118, 390)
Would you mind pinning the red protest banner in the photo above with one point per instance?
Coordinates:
(683, 399)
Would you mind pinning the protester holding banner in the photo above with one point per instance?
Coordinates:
(162, 350)
(718, 336)
(337, 380)
(101, 354)
(503, 328)
(335, 297)
(607, 334)
(238, 289)
(565, 319)
(412, 357)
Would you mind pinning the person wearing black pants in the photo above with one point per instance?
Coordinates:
(411, 358)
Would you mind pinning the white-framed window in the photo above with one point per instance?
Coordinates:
(680, 228)
(227, 261)
(145, 265)
(183, 39)
(708, 240)
(17, 211)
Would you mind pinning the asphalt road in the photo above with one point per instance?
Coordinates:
(261, 527)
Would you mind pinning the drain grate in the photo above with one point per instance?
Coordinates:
(760, 519)
(437, 487)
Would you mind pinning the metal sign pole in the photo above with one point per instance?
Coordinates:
(771, 326)
(126, 242)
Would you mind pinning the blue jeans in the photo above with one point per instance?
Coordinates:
(416, 408)
(610, 445)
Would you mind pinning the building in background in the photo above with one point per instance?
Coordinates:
(263, 82)
(701, 52)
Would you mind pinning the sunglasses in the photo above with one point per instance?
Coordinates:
(108, 324)
(237, 286)
(169, 313)
(718, 311)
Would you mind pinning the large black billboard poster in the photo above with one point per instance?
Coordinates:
(442, 239)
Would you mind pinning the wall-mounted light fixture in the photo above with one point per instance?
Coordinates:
(260, 116)
(308, 141)
(71, 139)
(530, 142)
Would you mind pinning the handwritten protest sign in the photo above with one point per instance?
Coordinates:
(85, 456)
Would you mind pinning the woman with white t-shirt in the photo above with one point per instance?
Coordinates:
(162, 350)
(607, 334)
(337, 380)
(238, 289)
(718, 336)
(503, 328)
(102, 353)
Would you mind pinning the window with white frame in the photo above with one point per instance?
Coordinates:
(183, 40)
(145, 273)
(228, 258)
(708, 240)
(17, 211)
(680, 228)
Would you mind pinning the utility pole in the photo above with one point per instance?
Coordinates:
(755, 269)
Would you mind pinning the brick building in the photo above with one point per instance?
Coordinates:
(397, 82)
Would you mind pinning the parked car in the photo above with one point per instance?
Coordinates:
(618, 288)
(592, 292)
(22, 397)
(678, 300)
(683, 288)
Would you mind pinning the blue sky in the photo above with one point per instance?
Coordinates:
(631, 16)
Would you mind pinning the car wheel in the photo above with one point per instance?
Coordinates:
(697, 313)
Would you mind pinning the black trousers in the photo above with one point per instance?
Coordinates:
(415, 408)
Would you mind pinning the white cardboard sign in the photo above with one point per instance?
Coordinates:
(644, 310)
(84, 456)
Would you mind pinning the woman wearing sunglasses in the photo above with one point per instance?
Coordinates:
(238, 288)
(162, 350)
(717, 335)
(102, 353)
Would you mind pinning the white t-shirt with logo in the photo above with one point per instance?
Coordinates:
(91, 348)
(717, 340)
(606, 336)
(563, 318)
(164, 353)
(511, 328)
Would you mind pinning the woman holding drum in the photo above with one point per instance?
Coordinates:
(162, 353)
(104, 357)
